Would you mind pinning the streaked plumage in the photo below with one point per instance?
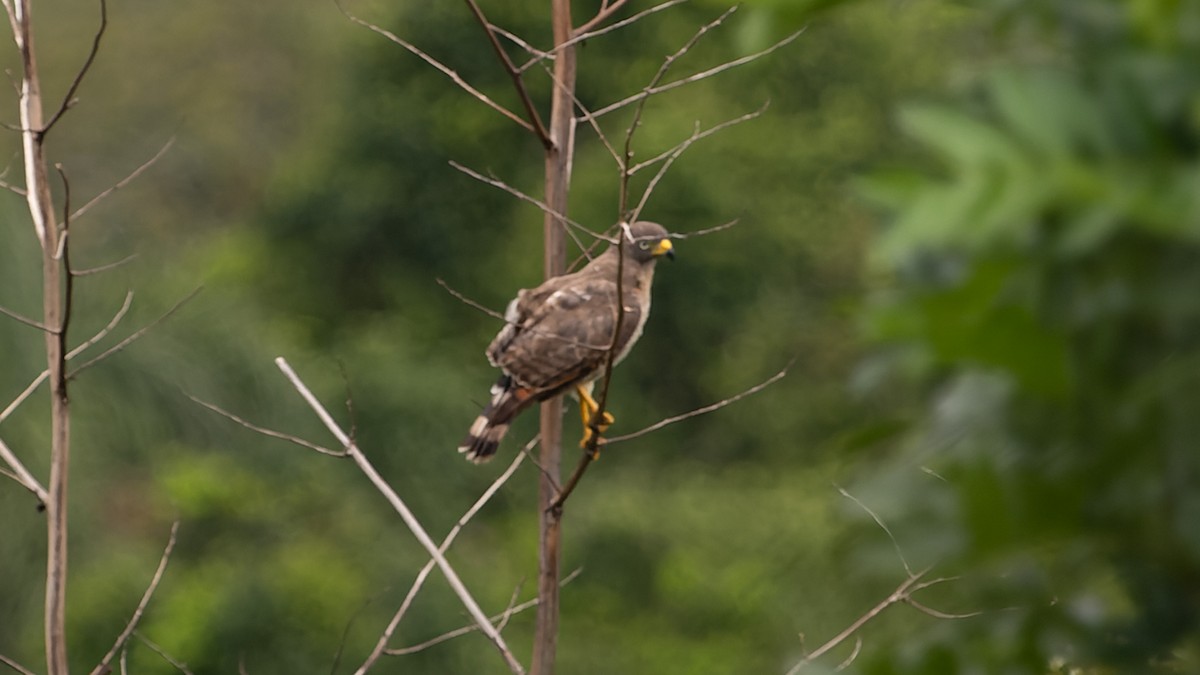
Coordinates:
(557, 336)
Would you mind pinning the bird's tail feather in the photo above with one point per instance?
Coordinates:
(489, 428)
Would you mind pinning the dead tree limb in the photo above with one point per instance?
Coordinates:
(105, 665)
(406, 515)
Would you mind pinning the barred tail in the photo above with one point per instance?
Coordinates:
(508, 400)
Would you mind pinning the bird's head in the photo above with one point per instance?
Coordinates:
(650, 241)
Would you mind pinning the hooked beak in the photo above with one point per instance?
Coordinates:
(664, 247)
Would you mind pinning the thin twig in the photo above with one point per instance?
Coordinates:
(107, 328)
(22, 476)
(17, 190)
(69, 97)
(705, 409)
(179, 665)
(400, 651)
(601, 16)
(124, 181)
(4, 659)
(532, 200)
(696, 136)
(104, 665)
(386, 636)
(581, 37)
(896, 596)
(70, 355)
(438, 65)
(858, 642)
(268, 432)
(104, 268)
(405, 514)
(636, 122)
(26, 320)
(880, 523)
(705, 231)
(715, 70)
(518, 41)
(535, 120)
(134, 336)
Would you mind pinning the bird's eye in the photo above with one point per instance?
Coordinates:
(643, 245)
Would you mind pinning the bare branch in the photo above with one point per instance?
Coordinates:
(535, 120)
(587, 35)
(134, 336)
(4, 659)
(471, 628)
(438, 65)
(124, 181)
(21, 475)
(104, 331)
(26, 320)
(494, 182)
(715, 70)
(707, 230)
(601, 16)
(405, 514)
(268, 432)
(881, 524)
(103, 268)
(105, 664)
(24, 395)
(518, 41)
(696, 136)
(13, 188)
(706, 409)
(69, 97)
(896, 596)
(70, 355)
(386, 636)
(178, 665)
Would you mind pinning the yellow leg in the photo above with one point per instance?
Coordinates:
(587, 410)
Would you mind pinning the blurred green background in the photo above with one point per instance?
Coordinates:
(974, 226)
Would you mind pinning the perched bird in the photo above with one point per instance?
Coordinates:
(557, 336)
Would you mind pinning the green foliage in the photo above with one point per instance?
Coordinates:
(1041, 294)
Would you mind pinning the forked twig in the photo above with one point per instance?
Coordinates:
(381, 645)
(405, 514)
(134, 336)
(400, 651)
(587, 35)
(105, 663)
(605, 12)
(535, 120)
(69, 97)
(704, 74)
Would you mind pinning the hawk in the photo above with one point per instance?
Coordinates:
(556, 337)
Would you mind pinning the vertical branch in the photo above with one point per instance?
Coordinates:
(54, 316)
(558, 176)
